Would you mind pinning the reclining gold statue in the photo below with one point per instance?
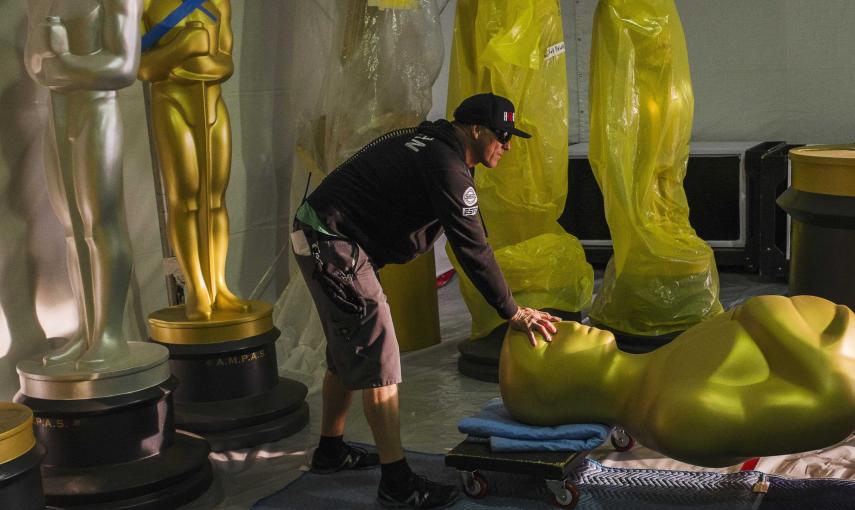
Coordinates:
(772, 376)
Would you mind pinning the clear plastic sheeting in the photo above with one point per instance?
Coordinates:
(385, 58)
(530, 265)
(662, 277)
(515, 48)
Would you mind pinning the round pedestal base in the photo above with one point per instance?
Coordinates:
(171, 325)
(479, 357)
(118, 452)
(248, 421)
(823, 237)
(21, 481)
(639, 344)
(230, 393)
(178, 475)
(143, 366)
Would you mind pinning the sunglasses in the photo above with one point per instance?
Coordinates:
(502, 136)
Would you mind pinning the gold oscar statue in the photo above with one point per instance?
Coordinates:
(83, 51)
(188, 56)
(222, 348)
(774, 375)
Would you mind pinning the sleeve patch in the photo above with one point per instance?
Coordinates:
(469, 196)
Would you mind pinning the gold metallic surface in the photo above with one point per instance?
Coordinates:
(170, 325)
(773, 376)
(193, 145)
(824, 169)
(411, 292)
(16, 431)
(83, 51)
(146, 365)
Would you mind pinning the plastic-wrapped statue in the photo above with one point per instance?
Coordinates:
(186, 56)
(662, 278)
(772, 376)
(515, 48)
(83, 50)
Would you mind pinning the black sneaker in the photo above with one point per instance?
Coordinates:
(350, 457)
(422, 493)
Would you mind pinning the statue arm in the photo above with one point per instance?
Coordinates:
(780, 329)
(114, 66)
(223, 56)
(156, 64)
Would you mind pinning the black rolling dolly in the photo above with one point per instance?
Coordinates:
(470, 459)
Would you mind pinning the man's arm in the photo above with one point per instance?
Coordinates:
(455, 202)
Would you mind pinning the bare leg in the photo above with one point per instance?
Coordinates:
(336, 402)
(383, 415)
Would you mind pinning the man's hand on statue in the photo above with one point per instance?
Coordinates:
(531, 321)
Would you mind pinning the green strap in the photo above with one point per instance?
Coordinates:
(308, 216)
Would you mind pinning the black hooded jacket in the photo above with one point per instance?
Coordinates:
(400, 192)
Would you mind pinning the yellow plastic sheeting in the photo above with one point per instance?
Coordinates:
(393, 4)
(515, 48)
(662, 277)
(411, 292)
(530, 265)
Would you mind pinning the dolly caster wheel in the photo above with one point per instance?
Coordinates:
(564, 493)
(474, 484)
(622, 441)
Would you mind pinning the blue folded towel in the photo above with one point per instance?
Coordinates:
(507, 435)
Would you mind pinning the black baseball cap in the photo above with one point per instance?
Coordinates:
(489, 110)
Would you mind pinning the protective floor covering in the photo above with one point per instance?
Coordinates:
(600, 487)
(434, 396)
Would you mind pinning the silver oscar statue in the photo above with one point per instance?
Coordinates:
(83, 51)
(102, 405)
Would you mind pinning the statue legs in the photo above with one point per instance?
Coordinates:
(85, 189)
(194, 147)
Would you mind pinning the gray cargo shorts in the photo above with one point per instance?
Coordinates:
(361, 345)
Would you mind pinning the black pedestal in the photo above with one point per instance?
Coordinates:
(118, 452)
(638, 344)
(823, 244)
(21, 481)
(231, 394)
(479, 357)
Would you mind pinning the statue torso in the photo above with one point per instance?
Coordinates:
(203, 68)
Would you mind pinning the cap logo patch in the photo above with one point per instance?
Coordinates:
(508, 116)
(469, 196)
